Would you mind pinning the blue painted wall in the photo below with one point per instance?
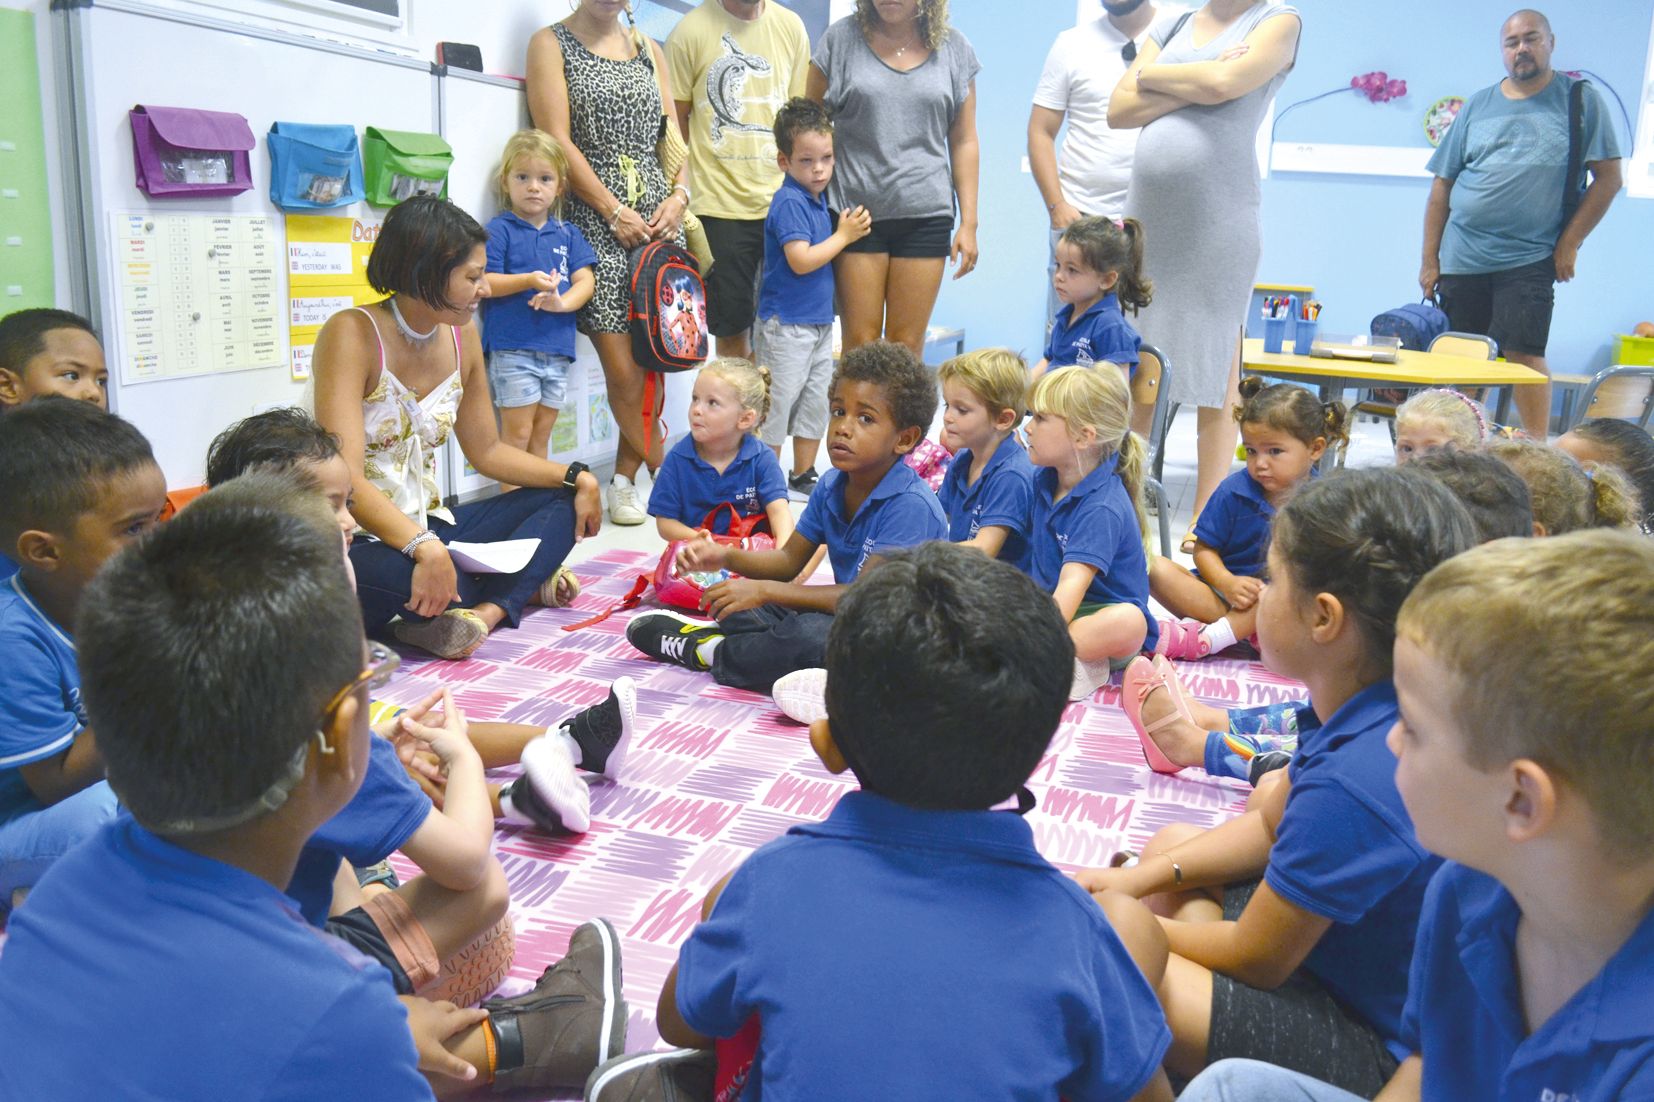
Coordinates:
(1355, 238)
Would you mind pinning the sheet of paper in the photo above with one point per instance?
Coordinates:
(500, 557)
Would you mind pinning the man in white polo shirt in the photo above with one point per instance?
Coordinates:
(1084, 65)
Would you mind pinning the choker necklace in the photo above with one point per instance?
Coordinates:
(408, 333)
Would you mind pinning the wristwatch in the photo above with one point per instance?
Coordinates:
(575, 470)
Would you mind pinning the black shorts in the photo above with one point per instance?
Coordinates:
(357, 928)
(1513, 306)
(908, 238)
(732, 284)
(1299, 1025)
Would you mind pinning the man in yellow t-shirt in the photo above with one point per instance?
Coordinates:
(733, 64)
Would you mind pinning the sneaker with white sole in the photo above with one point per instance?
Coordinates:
(604, 731)
(624, 508)
(678, 1075)
(802, 695)
(549, 794)
(573, 1020)
(1089, 677)
(672, 637)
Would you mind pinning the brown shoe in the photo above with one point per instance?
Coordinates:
(573, 1020)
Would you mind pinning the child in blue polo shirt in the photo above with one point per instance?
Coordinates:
(44, 351)
(1307, 968)
(882, 401)
(539, 274)
(720, 461)
(1099, 274)
(977, 969)
(1087, 547)
(988, 492)
(79, 485)
(794, 334)
(1285, 430)
(167, 931)
(1535, 951)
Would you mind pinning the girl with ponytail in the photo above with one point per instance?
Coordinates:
(1089, 542)
(1099, 275)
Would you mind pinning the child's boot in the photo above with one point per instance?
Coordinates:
(573, 1020)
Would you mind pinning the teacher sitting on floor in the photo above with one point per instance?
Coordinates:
(391, 380)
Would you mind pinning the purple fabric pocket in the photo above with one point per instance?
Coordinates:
(184, 151)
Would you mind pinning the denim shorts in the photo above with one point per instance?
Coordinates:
(521, 377)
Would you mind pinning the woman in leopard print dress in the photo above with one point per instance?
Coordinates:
(598, 87)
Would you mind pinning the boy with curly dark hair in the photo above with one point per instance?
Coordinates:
(766, 625)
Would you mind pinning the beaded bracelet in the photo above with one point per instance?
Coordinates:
(423, 537)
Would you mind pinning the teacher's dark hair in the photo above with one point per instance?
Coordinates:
(421, 243)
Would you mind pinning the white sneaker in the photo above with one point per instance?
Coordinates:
(1088, 678)
(623, 504)
(802, 695)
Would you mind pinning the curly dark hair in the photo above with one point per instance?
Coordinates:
(908, 386)
(800, 116)
(277, 439)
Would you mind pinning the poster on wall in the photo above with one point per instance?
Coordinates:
(197, 294)
(327, 263)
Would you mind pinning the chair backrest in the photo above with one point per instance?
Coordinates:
(1474, 345)
(1149, 386)
(1626, 393)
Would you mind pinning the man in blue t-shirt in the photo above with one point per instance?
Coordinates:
(1495, 237)
(164, 947)
(915, 944)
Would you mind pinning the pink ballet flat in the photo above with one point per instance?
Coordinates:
(1140, 679)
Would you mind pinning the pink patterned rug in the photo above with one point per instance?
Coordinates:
(717, 772)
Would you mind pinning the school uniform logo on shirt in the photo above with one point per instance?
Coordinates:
(1548, 1095)
(1082, 352)
(866, 550)
(560, 253)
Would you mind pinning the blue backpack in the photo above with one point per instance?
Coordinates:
(1416, 324)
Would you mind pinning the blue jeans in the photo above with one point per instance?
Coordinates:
(384, 576)
(1255, 1081)
(32, 840)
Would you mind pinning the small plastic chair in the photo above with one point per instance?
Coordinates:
(1625, 393)
(1149, 386)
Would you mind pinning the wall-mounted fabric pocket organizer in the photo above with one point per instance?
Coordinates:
(184, 152)
(405, 163)
(314, 166)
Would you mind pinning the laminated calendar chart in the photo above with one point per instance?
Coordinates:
(327, 264)
(199, 294)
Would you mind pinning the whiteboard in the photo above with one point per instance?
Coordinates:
(118, 53)
(478, 113)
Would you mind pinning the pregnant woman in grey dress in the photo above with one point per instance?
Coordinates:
(1199, 96)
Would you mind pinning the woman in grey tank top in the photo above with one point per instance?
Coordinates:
(1199, 90)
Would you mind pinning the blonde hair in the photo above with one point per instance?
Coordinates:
(750, 381)
(1576, 696)
(997, 376)
(1568, 495)
(1459, 414)
(933, 21)
(1098, 398)
(533, 143)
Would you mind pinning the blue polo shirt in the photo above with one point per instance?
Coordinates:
(1345, 850)
(1235, 524)
(1101, 333)
(900, 512)
(141, 970)
(897, 953)
(687, 487)
(1095, 524)
(509, 323)
(377, 822)
(1464, 1008)
(41, 710)
(1003, 497)
(795, 215)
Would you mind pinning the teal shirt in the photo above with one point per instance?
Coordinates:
(1506, 159)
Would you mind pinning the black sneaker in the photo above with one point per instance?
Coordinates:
(604, 730)
(549, 794)
(671, 637)
(679, 1075)
(1267, 762)
(803, 482)
(573, 1020)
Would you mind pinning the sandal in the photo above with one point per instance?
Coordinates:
(454, 635)
(1141, 678)
(1180, 639)
(1188, 544)
(559, 590)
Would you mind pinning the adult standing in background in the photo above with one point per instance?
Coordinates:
(598, 88)
(1091, 173)
(901, 85)
(1496, 235)
(734, 63)
(1199, 90)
